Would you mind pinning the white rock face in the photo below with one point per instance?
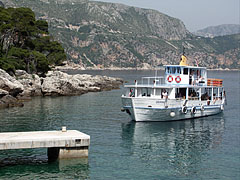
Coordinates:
(30, 82)
(10, 84)
(3, 93)
(55, 83)
(59, 83)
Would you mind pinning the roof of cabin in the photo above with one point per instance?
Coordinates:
(192, 67)
(166, 86)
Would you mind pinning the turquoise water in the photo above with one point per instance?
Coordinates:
(205, 148)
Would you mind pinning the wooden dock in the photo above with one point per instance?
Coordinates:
(61, 144)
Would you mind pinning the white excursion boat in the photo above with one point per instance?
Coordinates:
(184, 92)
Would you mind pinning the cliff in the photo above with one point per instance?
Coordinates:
(98, 34)
(220, 30)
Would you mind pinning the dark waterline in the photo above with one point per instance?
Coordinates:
(205, 148)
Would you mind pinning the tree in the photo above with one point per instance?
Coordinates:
(25, 42)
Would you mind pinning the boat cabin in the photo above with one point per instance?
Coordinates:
(185, 75)
(179, 82)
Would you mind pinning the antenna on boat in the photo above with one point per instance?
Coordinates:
(183, 51)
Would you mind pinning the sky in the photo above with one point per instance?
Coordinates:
(196, 14)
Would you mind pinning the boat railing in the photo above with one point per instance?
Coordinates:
(156, 80)
(214, 82)
(193, 98)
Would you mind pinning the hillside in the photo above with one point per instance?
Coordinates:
(97, 34)
(221, 30)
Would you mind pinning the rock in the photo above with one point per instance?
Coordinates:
(3, 93)
(31, 83)
(107, 83)
(69, 66)
(23, 98)
(56, 83)
(9, 101)
(146, 66)
(10, 84)
(59, 83)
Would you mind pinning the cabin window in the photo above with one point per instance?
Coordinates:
(198, 73)
(173, 70)
(191, 71)
(185, 71)
(168, 70)
(180, 93)
(220, 93)
(179, 70)
(193, 94)
(158, 92)
(206, 94)
(146, 92)
(215, 93)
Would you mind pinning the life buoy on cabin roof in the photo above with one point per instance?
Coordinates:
(178, 79)
(170, 78)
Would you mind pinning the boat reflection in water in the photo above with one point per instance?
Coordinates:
(180, 146)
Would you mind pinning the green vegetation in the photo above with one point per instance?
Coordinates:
(25, 42)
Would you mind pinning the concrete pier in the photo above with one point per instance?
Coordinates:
(60, 144)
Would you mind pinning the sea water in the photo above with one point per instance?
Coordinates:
(204, 148)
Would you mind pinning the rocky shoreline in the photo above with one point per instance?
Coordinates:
(23, 86)
(72, 66)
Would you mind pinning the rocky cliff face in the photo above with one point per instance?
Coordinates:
(97, 34)
(221, 30)
(108, 17)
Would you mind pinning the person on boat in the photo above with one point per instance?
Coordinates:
(215, 98)
(165, 96)
(131, 93)
(204, 96)
(208, 100)
(191, 77)
(200, 80)
(225, 97)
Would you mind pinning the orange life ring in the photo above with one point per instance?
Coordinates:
(170, 78)
(178, 79)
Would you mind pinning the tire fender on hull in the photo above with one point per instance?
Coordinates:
(184, 109)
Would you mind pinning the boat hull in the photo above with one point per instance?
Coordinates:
(170, 114)
(173, 114)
